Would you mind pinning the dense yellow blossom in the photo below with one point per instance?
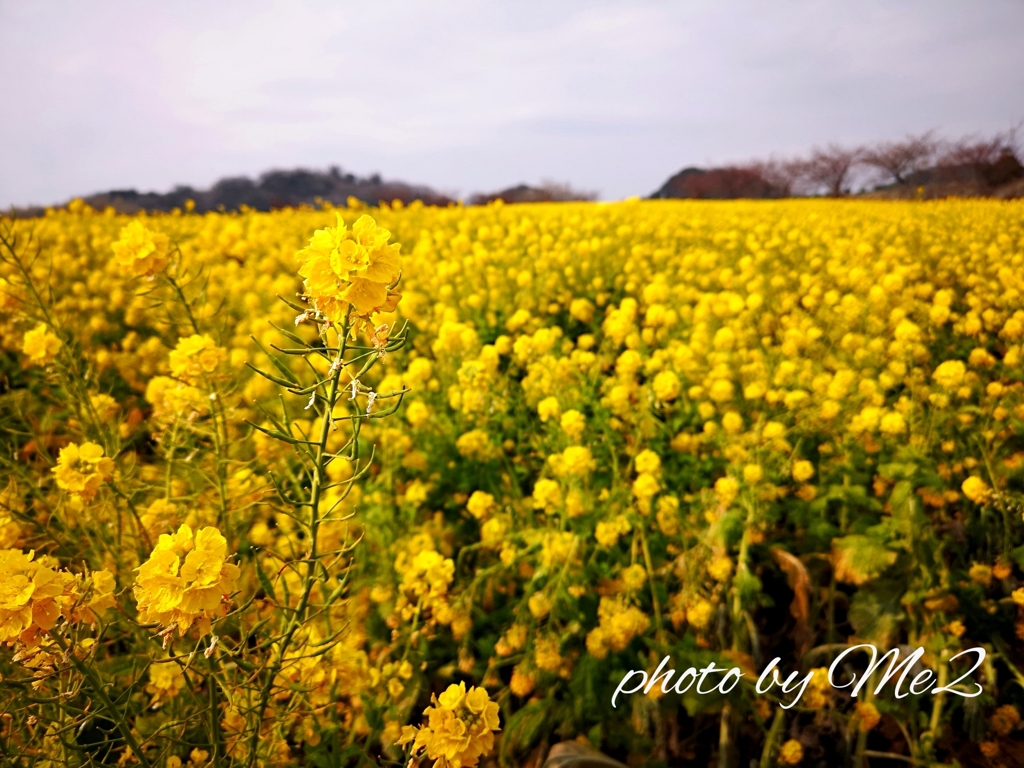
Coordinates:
(166, 680)
(867, 715)
(425, 581)
(460, 728)
(802, 471)
(1005, 719)
(351, 266)
(40, 345)
(573, 423)
(81, 469)
(619, 624)
(574, 461)
(139, 250)
(33, 596)
(186, 580)
(976, 489)
(480, 504)
(195, 357)
(791, 753)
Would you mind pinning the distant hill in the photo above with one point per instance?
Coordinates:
(915, 167)
(274, 189)
(280, 189)
(717, 184)
(547, 192)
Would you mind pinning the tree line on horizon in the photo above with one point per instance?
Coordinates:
(919, 165)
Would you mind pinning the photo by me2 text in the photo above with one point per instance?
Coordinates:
(893, 671)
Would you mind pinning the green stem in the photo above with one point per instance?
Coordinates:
(893, 756)
(830, 638)
(117, 717)
(650, 580)
(862, 735)
(1007, 521)
(181, 297)
(140, 528)
(217, 750)
(928, 740)
(219, 443)
(725, 737)
(778, 722)
(297, 617)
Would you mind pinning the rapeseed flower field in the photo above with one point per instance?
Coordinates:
(369, 486)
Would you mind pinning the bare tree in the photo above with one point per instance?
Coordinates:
(991, 161)
(899, 159)
(832, 167)
(974, 152)
(782, 175)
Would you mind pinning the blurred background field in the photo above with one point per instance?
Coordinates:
(718, 430)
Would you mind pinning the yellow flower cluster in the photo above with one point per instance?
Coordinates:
(139, 250)
(194, 357)
(33, 596)
(425, 581)
(619, 624)
(81, 469)
(460, 728)
(791, 753)
(40, 345)
(186, 581)
(351, 266)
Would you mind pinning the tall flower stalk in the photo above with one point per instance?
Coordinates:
(350, 274)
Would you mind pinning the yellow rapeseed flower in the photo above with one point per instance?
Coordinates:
(480, 504)
(33, 596)
(195, 356)
(803, 471)
(976, 490)
(40, 345)
(574, 461)
(460, 728)
(140, 251)
(354, 267)
(548, 408)
(791, 753)
(573, 423)
(186, 580)
(867, 715)
(950, 374)
(81, 469)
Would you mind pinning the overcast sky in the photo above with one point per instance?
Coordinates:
(468, 96)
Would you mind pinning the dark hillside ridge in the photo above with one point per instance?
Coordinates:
(547, 192)
(717, 184)
(979, 169)
(274, 189)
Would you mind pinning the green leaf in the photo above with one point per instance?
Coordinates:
(525, 728)
(268, 587)
(284, 369)
(748, 585)
(896, 471)
(858, 559)
(875, 612)
(1018, 556)
(901, 493)
(584, 687)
